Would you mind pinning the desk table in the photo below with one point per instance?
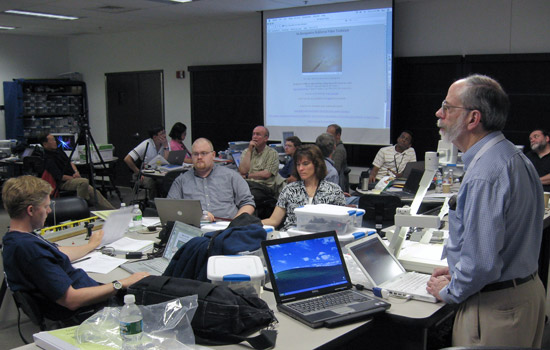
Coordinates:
(412, 320)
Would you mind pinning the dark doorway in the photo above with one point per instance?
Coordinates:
(135, 103)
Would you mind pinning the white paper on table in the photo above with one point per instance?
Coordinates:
(99, 263)
(150, 221)
(116, 225)
(127, 244)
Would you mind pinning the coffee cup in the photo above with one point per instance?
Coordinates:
(446, 188)
(546, 199)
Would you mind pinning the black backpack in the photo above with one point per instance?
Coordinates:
(223, 316)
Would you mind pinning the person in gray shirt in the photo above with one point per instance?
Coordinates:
(325, 142)
(222, 191)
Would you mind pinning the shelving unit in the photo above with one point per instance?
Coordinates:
(37, 107)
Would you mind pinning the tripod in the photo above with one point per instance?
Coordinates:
(86, 139)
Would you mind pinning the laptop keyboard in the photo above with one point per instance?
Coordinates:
(327, 301)
(410, 282)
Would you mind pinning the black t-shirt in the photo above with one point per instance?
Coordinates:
(541, 164)
(58, 164)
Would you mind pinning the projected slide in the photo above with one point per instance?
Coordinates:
(329, 68)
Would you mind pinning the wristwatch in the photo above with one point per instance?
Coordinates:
(117, 285)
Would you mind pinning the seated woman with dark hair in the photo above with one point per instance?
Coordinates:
(311, 187)
(177, 135)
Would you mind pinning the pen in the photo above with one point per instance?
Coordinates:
(81, 260)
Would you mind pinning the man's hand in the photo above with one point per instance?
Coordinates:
(440, 278)
(95, 238)
(76, 175)
(252, 144)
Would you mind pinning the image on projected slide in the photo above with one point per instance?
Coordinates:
(322, 54)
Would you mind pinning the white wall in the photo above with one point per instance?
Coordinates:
(422, 28)
(30, 57)
(170, 50)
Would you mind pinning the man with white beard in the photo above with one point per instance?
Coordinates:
(495, 225)
(540, 155)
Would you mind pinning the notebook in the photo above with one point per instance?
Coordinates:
(181, 233)
(408, 168)
(309, 270)
(411, 185)
(383, 270)
(176, 157)
(236, 158)
(188, 211)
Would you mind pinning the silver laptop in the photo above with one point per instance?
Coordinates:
(311, 282)
(181, 233)
(188, 211)
(383, 270)
(236, 155)
(176, 157)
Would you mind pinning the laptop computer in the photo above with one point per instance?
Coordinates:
(309, 271)
(181, 233)
(27, 152)
(408, 167)
(236, 158)
(411, 185)
(176, 157)
(188, 211)
(383, 270)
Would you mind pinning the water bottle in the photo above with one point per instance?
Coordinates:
(137, 217)
(451, 177)
(131, 323)
(205, 220)
(438, 182)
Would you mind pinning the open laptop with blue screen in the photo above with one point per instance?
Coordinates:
(236, 157)
(311, 282)
(181, 233)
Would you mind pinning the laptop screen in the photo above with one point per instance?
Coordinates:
(237, 158)
(306, 264)
(413, 181)
(181, 234)
(376, 260)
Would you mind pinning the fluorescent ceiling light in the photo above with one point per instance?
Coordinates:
(6, 28)
(38, 14)
(181, 0)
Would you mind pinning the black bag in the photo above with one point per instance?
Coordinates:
(223, 316)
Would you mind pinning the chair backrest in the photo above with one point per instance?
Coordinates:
(67, 208)
(33, 165)
(379, 209)
(167, 181)
(25, 302)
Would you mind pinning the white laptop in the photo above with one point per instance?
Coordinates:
(181, 233)
(383, 270)
(188, 211)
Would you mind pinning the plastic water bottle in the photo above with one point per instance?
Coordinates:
(131, 323)
(137, 217)
(438, 182)
(451, 177)
(205, 220)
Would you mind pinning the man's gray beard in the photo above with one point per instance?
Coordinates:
(539, 146)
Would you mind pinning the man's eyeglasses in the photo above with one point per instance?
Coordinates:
(445, 107)
(202, 154)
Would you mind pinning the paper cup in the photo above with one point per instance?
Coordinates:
(546, 199)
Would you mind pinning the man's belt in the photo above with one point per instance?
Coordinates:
(507, 284)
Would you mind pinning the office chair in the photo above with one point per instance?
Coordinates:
(33, 165)
(67, 208)
(59, 317)
(167, 181)
(379, 210)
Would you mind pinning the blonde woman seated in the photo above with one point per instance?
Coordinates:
(311, 187)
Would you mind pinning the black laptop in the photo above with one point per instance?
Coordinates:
(411, 185)
(311, 282)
